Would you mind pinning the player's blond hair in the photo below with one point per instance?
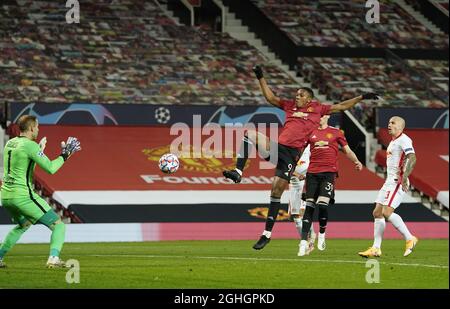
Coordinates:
(25, 122)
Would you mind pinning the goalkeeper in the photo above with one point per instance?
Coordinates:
(21, 154)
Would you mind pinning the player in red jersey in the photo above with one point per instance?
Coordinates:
(320, 178)
(302, 117)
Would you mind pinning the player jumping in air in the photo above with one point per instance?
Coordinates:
(302, 117)
(21, 154)
(401, 160)
(322, 173)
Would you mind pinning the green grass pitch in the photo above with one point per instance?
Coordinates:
(228, 264)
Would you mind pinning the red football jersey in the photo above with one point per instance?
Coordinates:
(324, 149)
(300, 122)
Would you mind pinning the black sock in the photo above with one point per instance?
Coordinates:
(272, 214)
(323, 216)
(244, 151)
(307, 219)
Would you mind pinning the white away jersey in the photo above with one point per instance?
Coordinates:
(396, 152)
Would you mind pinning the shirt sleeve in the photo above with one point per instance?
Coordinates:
(341, 139)
(34, 153)
(285, 104)
(325, 109)
(407, 145)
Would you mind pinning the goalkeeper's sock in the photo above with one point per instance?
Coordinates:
(57, 239)
(272, 215)
(244, 151)
(11, 239)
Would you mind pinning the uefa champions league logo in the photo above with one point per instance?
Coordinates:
(162, 115)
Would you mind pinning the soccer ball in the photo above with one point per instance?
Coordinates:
(169, 163)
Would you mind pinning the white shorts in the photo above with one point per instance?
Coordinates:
(295, 208)
(296, 204)
(391, 194)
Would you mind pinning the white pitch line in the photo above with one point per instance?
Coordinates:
(244, 259)
(268, 259)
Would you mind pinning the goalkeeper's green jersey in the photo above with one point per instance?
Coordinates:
(20, 158)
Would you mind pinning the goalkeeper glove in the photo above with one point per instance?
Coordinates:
(370, 96)
(258, 71)
(70, 147)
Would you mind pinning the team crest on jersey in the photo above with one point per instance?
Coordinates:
(40, 153)
(329, 135)
(310, 110)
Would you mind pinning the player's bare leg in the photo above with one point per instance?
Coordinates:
(251, 138)
(379, 227)
(278, 186)
(397, 221)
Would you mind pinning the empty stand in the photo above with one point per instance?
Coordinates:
(127, 53)
(421, 84)
(341, 24)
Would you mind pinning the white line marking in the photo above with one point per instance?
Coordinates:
(250, 259)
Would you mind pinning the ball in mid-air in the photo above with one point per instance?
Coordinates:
(169, 163)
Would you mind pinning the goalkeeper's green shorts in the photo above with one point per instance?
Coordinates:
(34, 210)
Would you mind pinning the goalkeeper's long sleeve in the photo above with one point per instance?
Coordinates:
(19, 158)
(35, 154)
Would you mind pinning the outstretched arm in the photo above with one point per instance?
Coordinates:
(342, 106)
(351, 155)
(267, 92)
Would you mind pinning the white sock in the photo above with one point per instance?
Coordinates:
(312, 234)
(298, 225)
(378, 231)
(398, 223)
(267, 233)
